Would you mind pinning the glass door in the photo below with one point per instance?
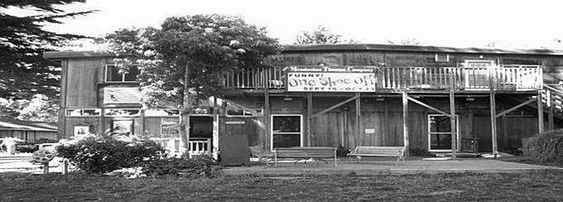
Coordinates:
(440, 133)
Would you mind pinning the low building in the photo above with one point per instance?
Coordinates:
(28, 131)
(439, 99)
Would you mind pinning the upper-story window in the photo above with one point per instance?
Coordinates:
(442, 57)
(114, 75)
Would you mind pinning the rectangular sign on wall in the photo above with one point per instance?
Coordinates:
(331, 82)
(119, 95)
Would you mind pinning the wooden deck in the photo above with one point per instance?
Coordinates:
(506, 78)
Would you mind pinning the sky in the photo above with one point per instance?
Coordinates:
(455, 23)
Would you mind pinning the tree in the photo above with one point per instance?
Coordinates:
(319, 35)
(183, 60)
(23, 70)
(410, 41)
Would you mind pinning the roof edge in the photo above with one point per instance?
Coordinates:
(413, 48)
(75, 54)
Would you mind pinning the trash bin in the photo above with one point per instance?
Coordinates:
(234, 150)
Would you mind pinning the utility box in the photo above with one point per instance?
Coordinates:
(233, 141)
(234, 150)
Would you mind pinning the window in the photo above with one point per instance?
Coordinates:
(113, 74)
(442, 57)
(122, 112)
(286, 131)
(83, 112)
(236, 111)
(440, 133)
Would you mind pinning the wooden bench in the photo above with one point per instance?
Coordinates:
(396, 151)
(305, 153)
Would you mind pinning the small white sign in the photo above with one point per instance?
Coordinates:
(369, 130)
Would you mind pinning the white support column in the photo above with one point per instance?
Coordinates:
(453, 126)
(215, 135)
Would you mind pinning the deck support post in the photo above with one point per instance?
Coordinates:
(453, 121)
(493, 110)
(493, 123)
(549, 103)
(540, 112)
(309, 118)
(405, 123)
(268, 138)
(358, 116)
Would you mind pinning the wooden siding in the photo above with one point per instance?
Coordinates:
(83, 76)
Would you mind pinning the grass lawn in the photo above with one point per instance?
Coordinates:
(527, 186)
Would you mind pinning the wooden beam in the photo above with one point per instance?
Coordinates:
(504, 131)
(405, 123)
(428, 106)
(493, 123)
(268, 136)
(335, 106)
(549, 103)
(493, 112)
(309, 114)
(515, 107)
(62, 132)
(358, 117)
(540, 112)
(453, 125)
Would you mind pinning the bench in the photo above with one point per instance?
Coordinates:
(383, 151)
(305, 153)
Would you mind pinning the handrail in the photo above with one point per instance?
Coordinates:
(508, 78)
(552, 88)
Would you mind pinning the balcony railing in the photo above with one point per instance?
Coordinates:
(507, 78)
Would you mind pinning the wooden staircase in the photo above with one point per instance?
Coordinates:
(552, 99)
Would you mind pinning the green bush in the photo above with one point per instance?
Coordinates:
(199, 166)
(546, 147)
(102, 154)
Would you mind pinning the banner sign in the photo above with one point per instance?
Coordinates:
(119, 95)
(331, 82)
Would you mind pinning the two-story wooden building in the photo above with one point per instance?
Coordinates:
(433, 98)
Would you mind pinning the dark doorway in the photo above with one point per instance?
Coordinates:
(201, 126)
(482, 129)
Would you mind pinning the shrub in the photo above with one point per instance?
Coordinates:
(546, 147)
(45, 140)
(199, 166)
(101, 154)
